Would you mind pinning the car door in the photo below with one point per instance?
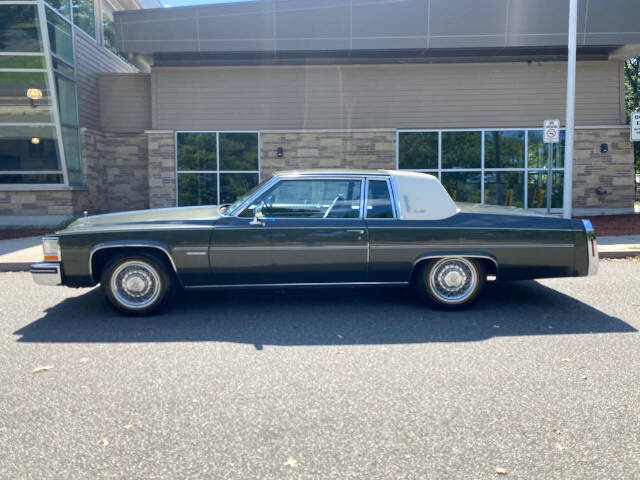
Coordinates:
(301, 230)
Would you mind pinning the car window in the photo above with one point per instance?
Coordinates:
(309, 199)
(379, 200)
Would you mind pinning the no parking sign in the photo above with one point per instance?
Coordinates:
(551, 131)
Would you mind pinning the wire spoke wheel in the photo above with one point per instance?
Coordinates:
(453, 280)
(135, 284)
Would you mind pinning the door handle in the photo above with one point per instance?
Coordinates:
(361, 232)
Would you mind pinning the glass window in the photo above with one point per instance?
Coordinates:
(24, 97)
(197, 151)
(309, 199)
(238, 151)
(233, 185)
(108, 27)
(504, 149)
(19, 30)
(62, 68)
(20, 61)
(504, 188)
(30, 178)
(378, 200)
(84, 16)
(28, 149)
(418, 150)
(62, 6)
(461, 149)
(238, 172)
(463, 186)
(537, 189)
(67, 101)
(197, 189)
(538, 153)
(60, 39)
(71, 143)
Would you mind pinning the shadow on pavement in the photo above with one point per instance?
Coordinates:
(325, 317)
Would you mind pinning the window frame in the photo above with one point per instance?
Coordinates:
(391, 198)
(217, 171)
(288, 178)
(482, 170)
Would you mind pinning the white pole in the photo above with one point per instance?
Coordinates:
(571, 106)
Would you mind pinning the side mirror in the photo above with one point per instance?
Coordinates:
(258, 217)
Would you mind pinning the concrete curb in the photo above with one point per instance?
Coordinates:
(25, 266)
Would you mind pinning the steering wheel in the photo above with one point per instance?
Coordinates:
(333, 204)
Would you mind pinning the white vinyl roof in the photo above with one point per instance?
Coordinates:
(422, 197)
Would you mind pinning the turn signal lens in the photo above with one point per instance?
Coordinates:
(51, 249)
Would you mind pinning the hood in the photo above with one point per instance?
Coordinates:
(146, 218)
(499, 210)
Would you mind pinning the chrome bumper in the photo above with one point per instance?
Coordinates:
(46, 273)
(592, 248)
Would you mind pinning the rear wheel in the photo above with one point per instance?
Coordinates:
(450, 282)
(136, 284)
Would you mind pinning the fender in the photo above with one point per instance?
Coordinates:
(467, 254)
(130, 243)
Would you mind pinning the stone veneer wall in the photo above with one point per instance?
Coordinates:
(115, 172)
(162, 168)
(370, 149)
(612, 170)
(41, 202)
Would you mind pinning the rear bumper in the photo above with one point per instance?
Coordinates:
(592, 248)
(46, 273)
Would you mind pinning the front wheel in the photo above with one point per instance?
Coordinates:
(136, 284)
(451, 282)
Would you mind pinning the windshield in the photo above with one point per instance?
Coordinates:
(226, 210)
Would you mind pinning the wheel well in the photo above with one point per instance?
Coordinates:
(490, 267)
(102, 256)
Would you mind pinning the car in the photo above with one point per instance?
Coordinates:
(318, 228)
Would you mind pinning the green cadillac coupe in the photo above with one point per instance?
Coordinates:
(318, 228)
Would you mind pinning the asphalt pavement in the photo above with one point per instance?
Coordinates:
(538, 380)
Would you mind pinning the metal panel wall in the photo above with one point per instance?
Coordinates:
(382, 96)
(92, 59)
(125, 102)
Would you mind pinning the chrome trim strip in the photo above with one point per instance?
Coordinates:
(286, 285)
(438, 227)
(484, 245)
(200, 252)
(190, 249)
(46, 273)
(592, 248)
(293, 247)
(449, 255)
(249, 227)
(117, 244)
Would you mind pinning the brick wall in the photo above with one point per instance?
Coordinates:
(162, 168)
(370, 149)
(612, 170)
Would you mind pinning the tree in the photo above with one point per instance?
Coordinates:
(632, 87)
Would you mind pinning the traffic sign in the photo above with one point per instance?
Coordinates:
(552, 131)
(635, 126)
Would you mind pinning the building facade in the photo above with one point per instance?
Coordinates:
(224, 95)
(51, 53)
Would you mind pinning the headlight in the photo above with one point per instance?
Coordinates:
(51, 249)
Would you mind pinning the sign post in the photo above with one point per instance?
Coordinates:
(551, 135)
(635, 126)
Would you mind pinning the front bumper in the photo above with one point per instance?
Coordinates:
(46, 273)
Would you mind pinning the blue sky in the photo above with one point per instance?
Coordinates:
(182, 3)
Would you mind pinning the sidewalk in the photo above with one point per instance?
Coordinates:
(18, 254)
